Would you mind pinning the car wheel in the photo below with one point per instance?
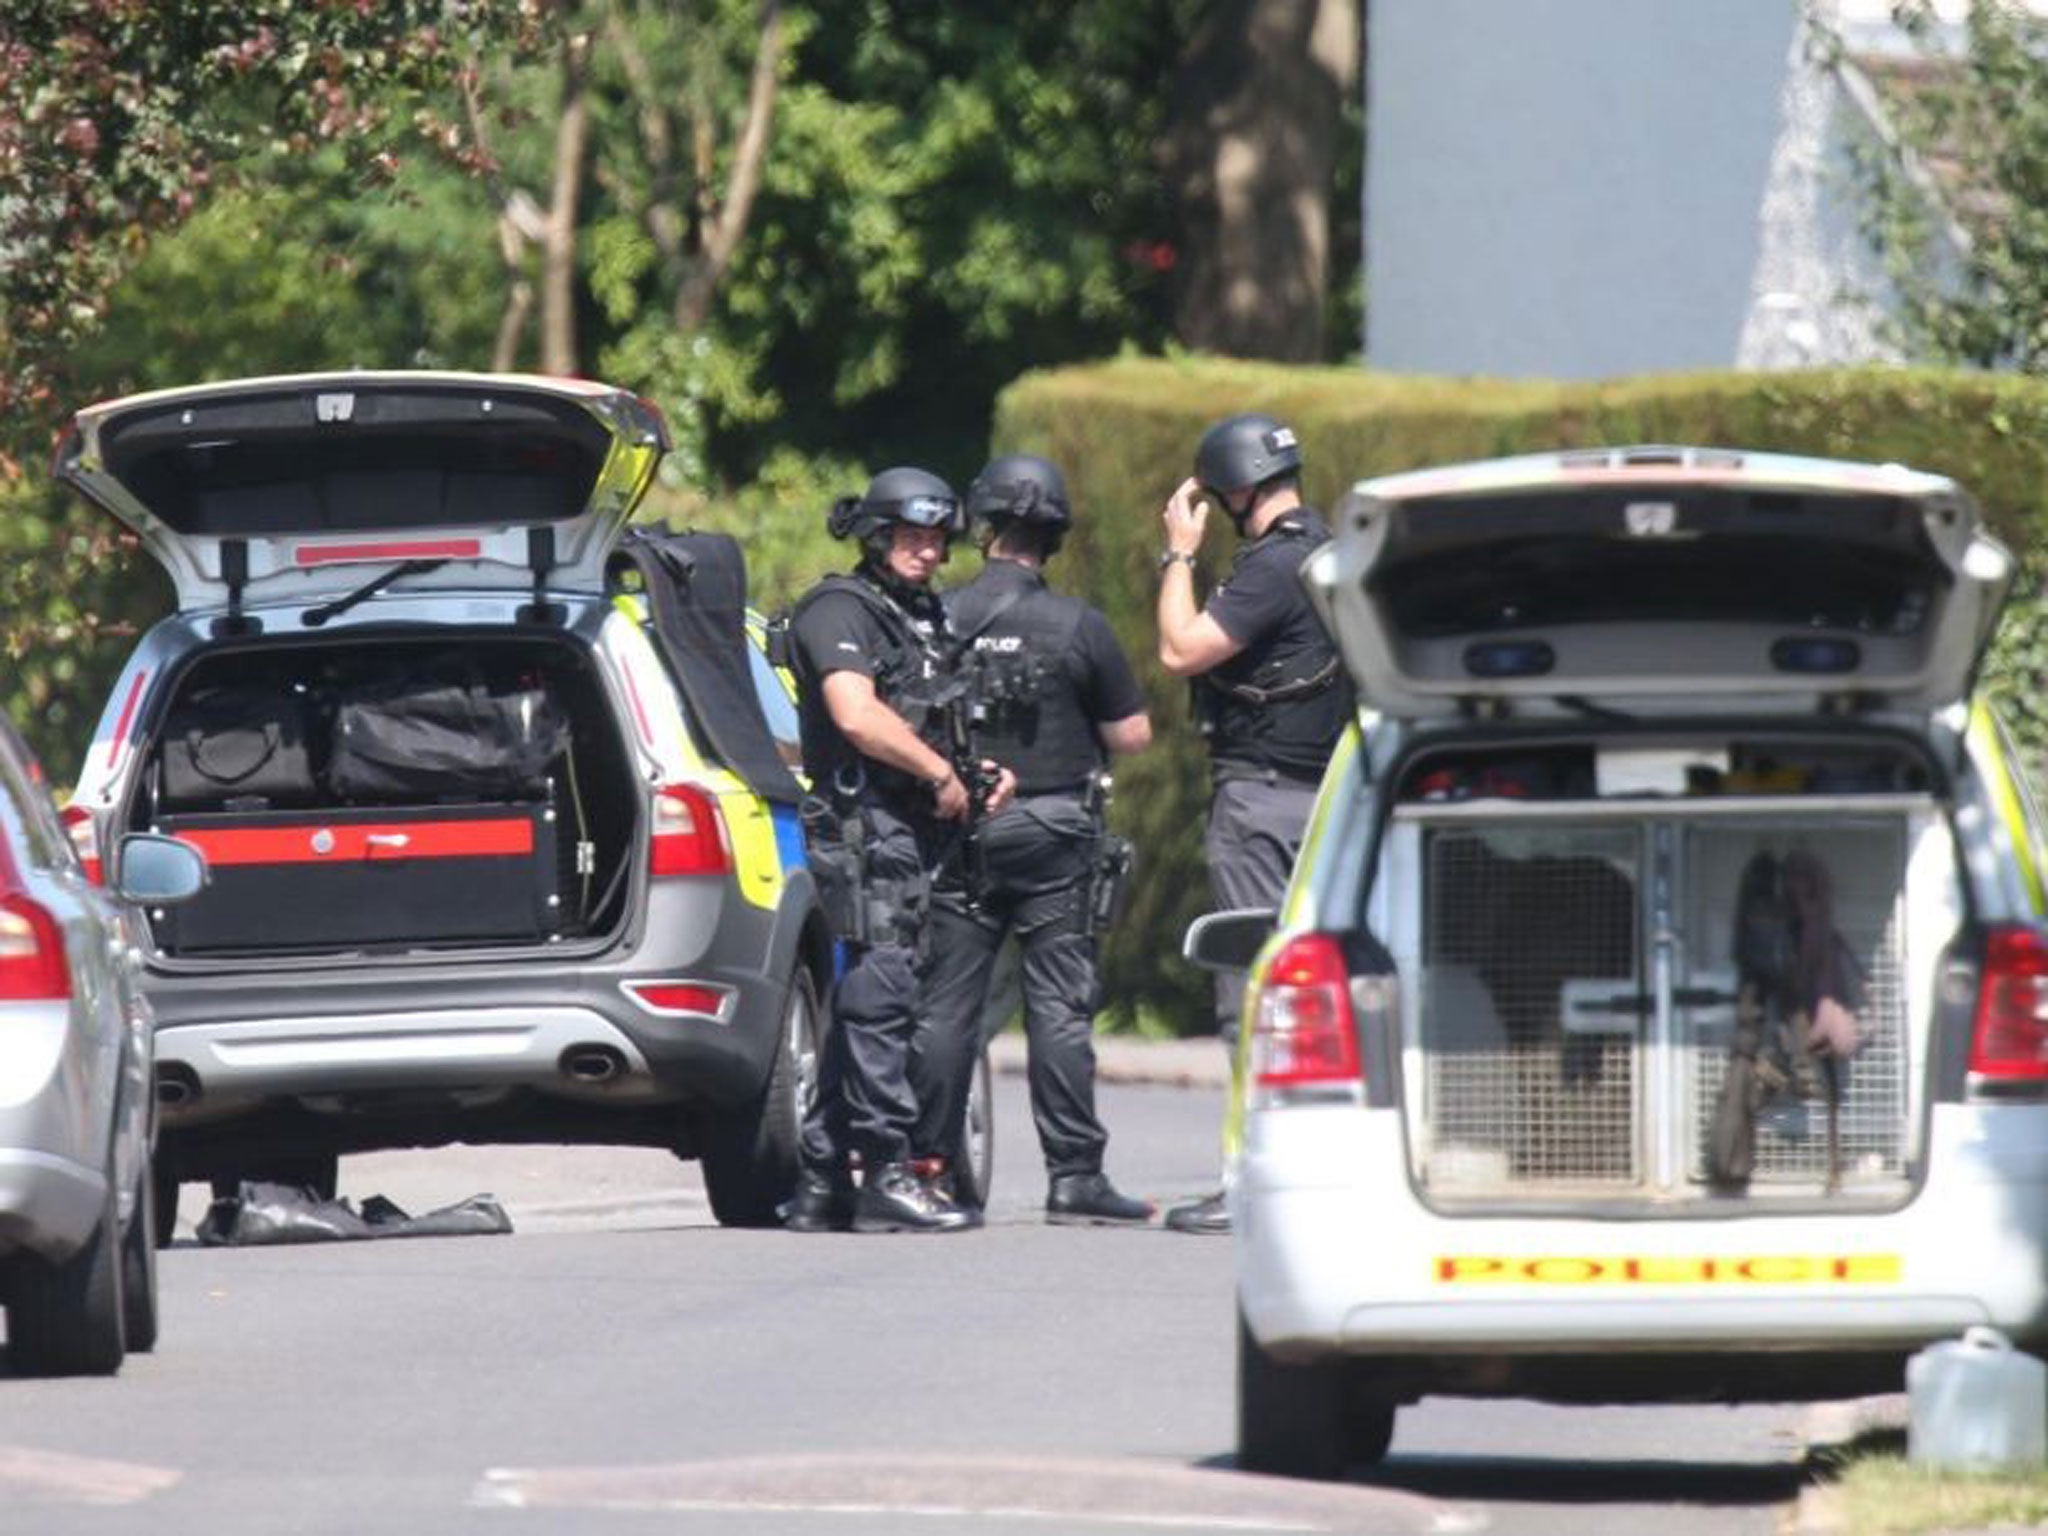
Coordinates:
(749, 1154)
(1308, 1420)
(138, 1267)
(64, 1319)
(978, 1136)
(163, 1178)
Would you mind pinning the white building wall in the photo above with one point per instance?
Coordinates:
(1590, 188)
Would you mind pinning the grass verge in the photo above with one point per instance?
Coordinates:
(1867, 1486)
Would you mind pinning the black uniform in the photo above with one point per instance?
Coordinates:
(874, 844)
(1271, 714)
(1046, 672)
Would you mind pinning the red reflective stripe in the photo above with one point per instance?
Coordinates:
(127, 719)
(411, 549)
(421, 840)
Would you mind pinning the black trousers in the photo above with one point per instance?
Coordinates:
(865, 1102)
(1035, 859)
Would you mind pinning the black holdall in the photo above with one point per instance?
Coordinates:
(443, 734)
(238, 741)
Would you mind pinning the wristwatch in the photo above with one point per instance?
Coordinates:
(1170, 556)
(937, 782)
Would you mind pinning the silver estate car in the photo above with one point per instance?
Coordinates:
(77, 1264)
(1659, 1009)
(485, 867)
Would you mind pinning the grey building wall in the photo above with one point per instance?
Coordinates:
(1590, 188)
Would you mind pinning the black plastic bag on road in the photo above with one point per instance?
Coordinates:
(280, 1213)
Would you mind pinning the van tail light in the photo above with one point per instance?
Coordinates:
(32, 962)
(1304, 1032)
(689, 834)
(2009, 1040)
(84, 828)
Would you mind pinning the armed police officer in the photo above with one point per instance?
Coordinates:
(885, 812)
(1052, 696)
(1270, 693)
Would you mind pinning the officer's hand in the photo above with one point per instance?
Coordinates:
(1006, 786)
(1186, 516)
(951, 798)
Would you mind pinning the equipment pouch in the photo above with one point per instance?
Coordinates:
(836, 867)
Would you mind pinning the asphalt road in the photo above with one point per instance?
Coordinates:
(619, 1364)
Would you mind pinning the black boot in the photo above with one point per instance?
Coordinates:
(894, 1199)
(823, 1202)
(1089, 1199)
(1207, 1217)
(944, 1186)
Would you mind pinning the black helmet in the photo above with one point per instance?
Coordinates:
(900, 495)
(1244, 451)
(1024, 487)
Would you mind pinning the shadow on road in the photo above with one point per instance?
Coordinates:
(1533, 1480)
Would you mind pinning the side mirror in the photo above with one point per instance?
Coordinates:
(1229, 941)
(153, 870)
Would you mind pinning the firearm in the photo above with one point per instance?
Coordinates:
(958, 712)
(1109, 872)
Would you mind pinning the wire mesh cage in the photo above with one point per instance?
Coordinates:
(1544, 1038)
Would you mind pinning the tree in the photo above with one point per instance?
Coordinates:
(117, 118)
(1957, 198)
(1262, 122)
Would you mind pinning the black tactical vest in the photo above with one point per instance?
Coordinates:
(909, 673)
(1278, 708)
(1027, 709)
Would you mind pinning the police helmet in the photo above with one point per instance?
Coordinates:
(1021, 487)
(900, 495)
(1244, 451)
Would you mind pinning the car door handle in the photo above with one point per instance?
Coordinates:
(385, 845)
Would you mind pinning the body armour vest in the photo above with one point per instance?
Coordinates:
(1028, 713)
(909, 674)
(1278, 706)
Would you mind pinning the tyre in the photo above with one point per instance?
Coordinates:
(749, 1154)
(978, 1136)
(138, 1267)
(1308, 1420)
(65, 1319)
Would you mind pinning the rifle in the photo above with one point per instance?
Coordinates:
(958, 712)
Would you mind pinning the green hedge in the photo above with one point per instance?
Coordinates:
(1124, 433)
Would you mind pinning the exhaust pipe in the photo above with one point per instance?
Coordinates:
(592, 1063)
(176, 1086)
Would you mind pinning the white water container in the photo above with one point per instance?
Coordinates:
(1976, 1402)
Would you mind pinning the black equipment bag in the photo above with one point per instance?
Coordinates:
(366, 877)
(696, 588)
(443, 734)
(238, 741)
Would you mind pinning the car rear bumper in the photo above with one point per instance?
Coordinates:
(1335, 1254)
(49, 1204)
(230, 1039)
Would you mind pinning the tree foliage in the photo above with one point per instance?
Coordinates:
(1957, 201)
(119, 119)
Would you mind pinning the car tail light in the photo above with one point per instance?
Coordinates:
(689, 834)
(680, 997)
(85, 837)
(1303, 1030)
(31, 952)
(2010, 1037)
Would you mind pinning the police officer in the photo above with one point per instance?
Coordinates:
(1270, 693)
(1053, 696)
(885, 807)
